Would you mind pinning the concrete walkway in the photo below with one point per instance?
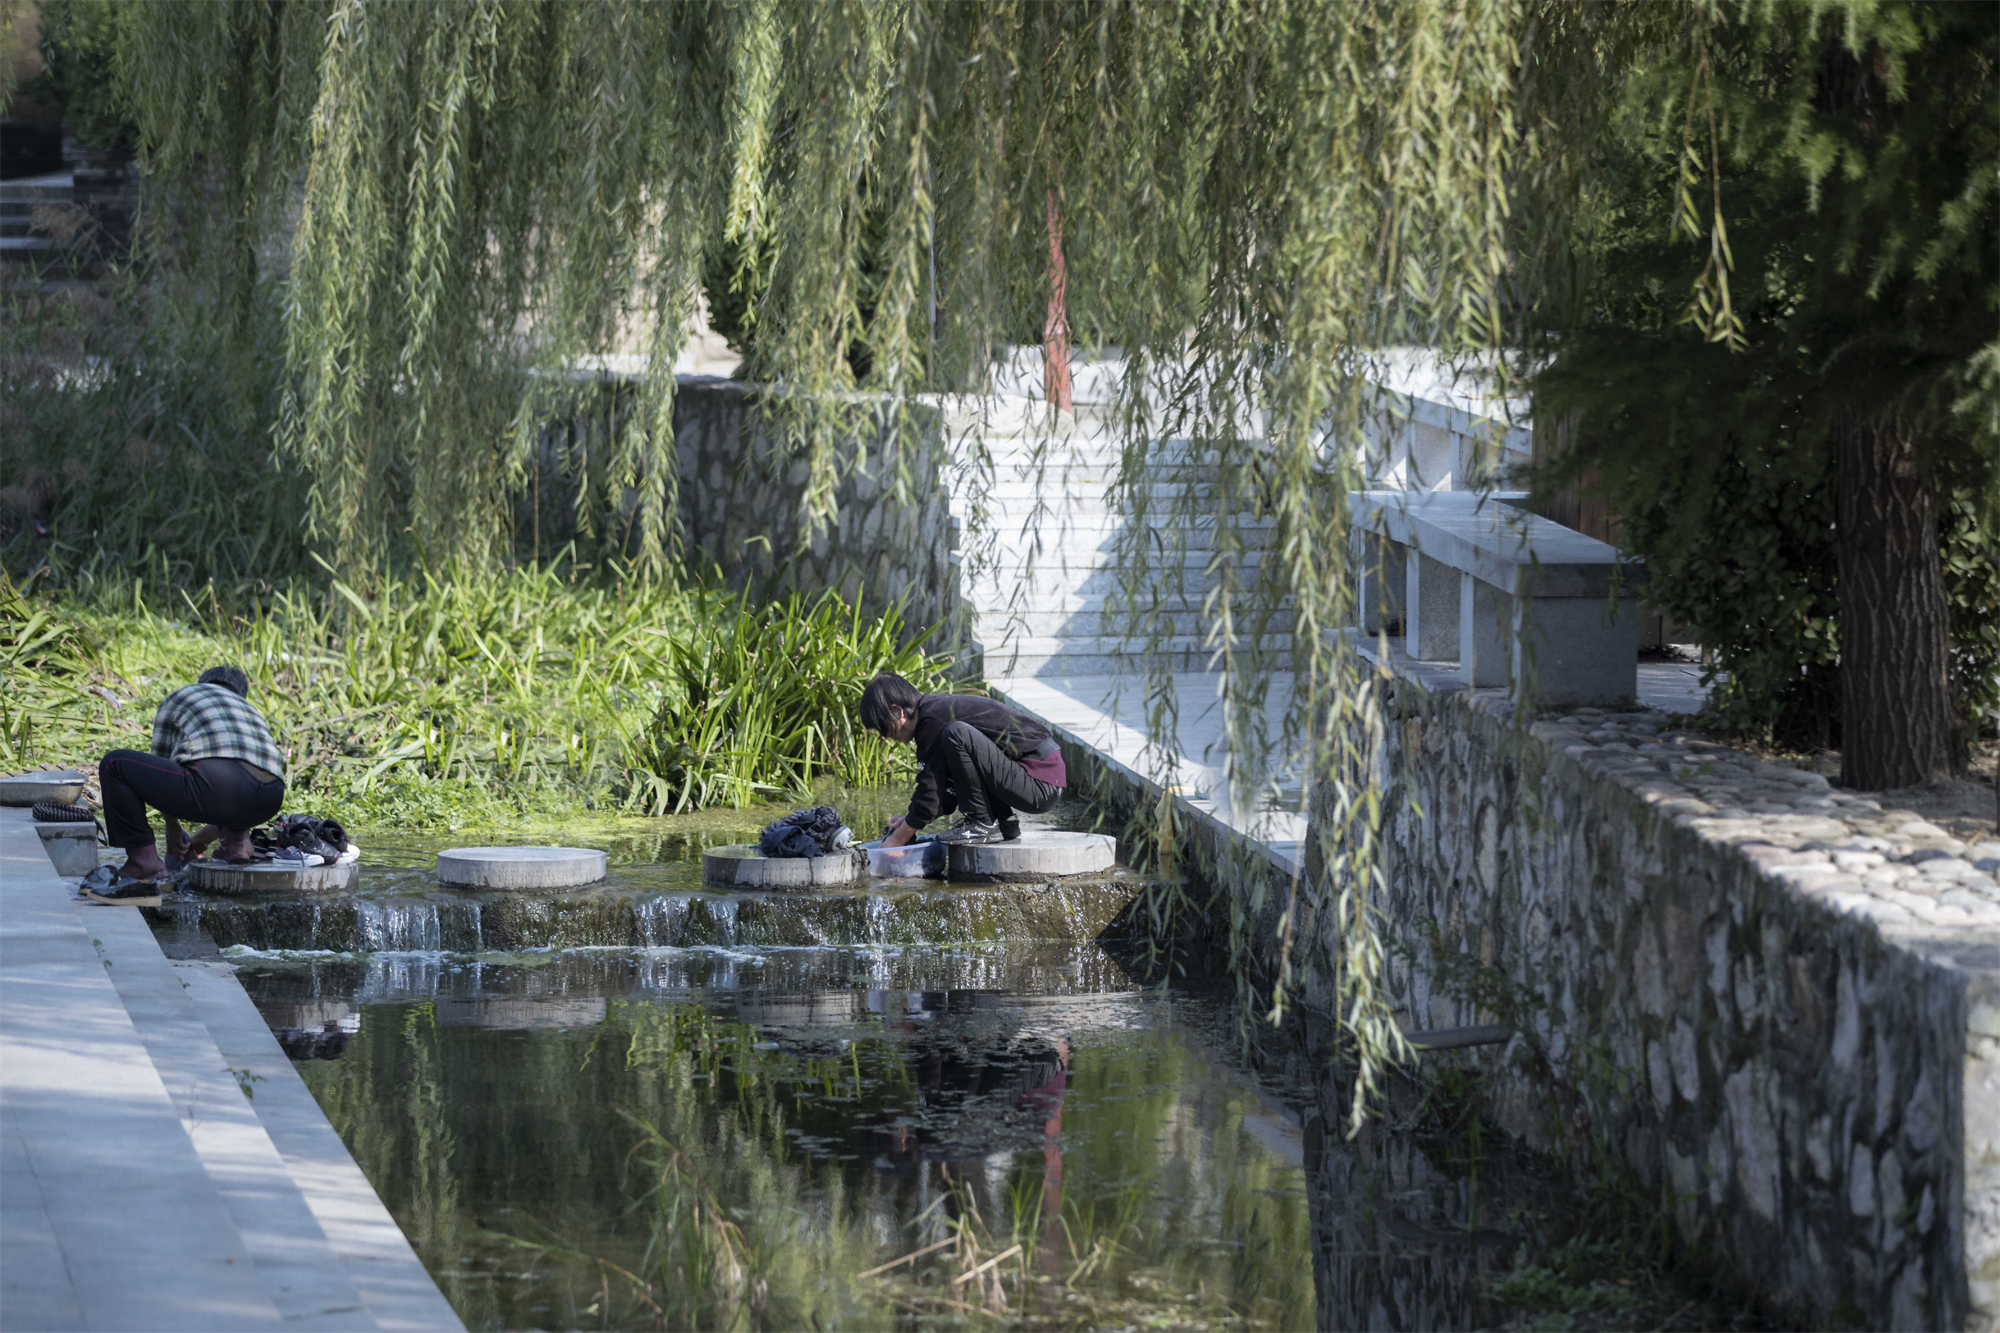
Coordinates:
(162, 1166)
(1110, 715)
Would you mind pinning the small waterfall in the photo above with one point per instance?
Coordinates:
(881, 912)
(658, 922)
(722, 911)
(397, 927)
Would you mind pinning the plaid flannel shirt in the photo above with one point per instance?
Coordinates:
(214, 722)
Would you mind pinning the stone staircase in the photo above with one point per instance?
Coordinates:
(162, 1165)
(84, 223)
(21, 240)
(1038, 536)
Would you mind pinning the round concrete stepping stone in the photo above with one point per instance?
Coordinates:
(520, 867)
(63, 787)
(742, 867)
(1038, 854)
(270, 877)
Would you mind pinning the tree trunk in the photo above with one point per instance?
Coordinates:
(1895, 691)
(1055, 330)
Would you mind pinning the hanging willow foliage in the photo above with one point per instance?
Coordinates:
(474, 195)
(1251, 195)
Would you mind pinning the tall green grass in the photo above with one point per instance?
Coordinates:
(761, 701)
(471, 697)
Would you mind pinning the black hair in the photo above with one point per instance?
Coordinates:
(228, 677)
(887, 691)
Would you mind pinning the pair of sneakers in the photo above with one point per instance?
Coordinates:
(979, 832)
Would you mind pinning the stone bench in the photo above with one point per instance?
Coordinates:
(1510, 597)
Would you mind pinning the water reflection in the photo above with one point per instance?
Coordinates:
(829, 1129)
(738, 1131)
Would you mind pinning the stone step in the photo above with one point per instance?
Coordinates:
(1088, 489)
(1042, 656)
(994, 415)
(43, 191)
(990, 624)
(1081, 481)
(1007, 559)
(1002, 588)
(398, 1292)
(112, 1218)
(147, 1180)
(1026, 451)
(1011, 520)
(286, 1244)
(1067, 601)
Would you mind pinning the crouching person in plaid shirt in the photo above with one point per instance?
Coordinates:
(213, 762)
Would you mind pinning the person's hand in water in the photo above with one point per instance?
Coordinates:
(898, 833)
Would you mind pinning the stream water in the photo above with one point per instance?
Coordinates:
(646, 1104)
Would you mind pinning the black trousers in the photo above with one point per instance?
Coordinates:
(222, 792)
(987, 784)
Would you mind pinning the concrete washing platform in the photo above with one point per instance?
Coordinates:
(1036, 856)
(271, 877)
(520, 867)
(162, 1165)
(741, 866)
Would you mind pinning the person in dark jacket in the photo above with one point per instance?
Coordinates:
(974, 755)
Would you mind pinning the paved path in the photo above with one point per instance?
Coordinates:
(1110, 715)
(140, 1188)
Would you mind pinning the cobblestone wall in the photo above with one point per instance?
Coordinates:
(741, 509)
(1775, 1003)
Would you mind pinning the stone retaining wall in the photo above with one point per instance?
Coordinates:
(1775, 1005)
(740, 508)
(740, 500)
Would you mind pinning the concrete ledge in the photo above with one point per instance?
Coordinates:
(72, 848)
(142, 1186)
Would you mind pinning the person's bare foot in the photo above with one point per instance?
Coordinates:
(235, 846)
(142, 863)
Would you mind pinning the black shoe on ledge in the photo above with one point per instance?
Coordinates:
(1010, 830)
(972, 832)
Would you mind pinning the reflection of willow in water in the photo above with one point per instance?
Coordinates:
(674, 1168)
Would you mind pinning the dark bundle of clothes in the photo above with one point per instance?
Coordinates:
(324, 838)
(814, 832)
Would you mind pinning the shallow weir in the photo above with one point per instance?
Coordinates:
(649, 1105)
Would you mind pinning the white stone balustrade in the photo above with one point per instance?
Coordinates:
(1516, 600)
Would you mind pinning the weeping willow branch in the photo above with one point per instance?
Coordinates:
(1253, 195)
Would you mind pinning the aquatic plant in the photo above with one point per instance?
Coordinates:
(467, 696)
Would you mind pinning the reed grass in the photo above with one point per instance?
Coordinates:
(470, 696)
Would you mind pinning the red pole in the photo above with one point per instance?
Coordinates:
(1055, 331)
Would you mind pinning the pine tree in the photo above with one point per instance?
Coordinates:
(1820, 306)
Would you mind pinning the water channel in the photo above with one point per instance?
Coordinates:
(645, 1104)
